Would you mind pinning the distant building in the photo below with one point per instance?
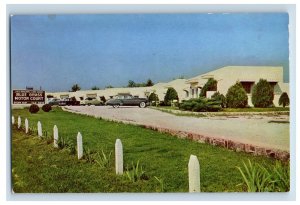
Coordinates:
(191, 88)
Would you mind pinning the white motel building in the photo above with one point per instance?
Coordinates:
(190, 88)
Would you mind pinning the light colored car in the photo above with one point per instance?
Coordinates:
(92, 101)
(54, 101)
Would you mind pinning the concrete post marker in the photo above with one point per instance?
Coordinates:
(119, 156)
(19, 122)
(194, 174)
(40, 132)
(79, 145)
(55, 136)
(26, 126)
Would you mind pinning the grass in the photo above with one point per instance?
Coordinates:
(177, 112)
(225, 111)
(38, 167)
(255, 109)
(250, 109)
(260, 179)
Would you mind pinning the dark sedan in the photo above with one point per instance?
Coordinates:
(127, 100)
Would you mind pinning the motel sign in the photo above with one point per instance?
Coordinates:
(28, 97)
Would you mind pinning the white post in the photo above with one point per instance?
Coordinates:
(13, 120)
(119, 156)
(194, 174)
(55, 136)
(19, 122)
(40, 133)
(79, 146)
(26, 126)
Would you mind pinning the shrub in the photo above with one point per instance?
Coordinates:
(153, 97)
(284, 99)
(46, 108)
(102, 99)
(170, 96)
(135, 172)
(259, 179)
(219, 97)
(210, 85)
(34, 108)
(201, 104)
(262, 94)
(236, 96)
(103, 159)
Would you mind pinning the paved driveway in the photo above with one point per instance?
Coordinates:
(255, 130)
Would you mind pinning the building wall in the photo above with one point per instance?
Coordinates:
(160, 89)
(226, 77)
(229, 75)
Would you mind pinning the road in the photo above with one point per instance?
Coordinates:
(256, 130)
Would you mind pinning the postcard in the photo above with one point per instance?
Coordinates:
(147, 103)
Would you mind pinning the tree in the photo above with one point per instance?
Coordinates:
(131, 84)
(140, 85)
(75, 88)
(219, 97)
(262, 94)
(149, 83)
(109, 86)
(236, 96)
(153, 97)
(210, 85)
(284, 99)
(170, 96)
(95, 88)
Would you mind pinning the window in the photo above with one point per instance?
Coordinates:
(64, 96)
(128, 96)
(186, 93)
(273, 84)
(247, 85)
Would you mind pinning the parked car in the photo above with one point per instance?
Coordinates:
(92, 101)
(69, 102)
(63, 102)
(54, 101)
(127, 100)
(72, 101)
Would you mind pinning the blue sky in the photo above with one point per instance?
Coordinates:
(57, 51)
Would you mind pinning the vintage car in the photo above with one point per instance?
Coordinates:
(69, 102)
(54, 101)
(92, 101)
(127, 100)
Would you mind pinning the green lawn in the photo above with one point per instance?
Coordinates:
(255, 109)
(250, 109)
(38, 167)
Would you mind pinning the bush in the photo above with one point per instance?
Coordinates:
(170, 96)
(34, 108)
(153, 97)
(46, 108)
(102, 99)
(236, 96)
(284, 99)
(210, 85)
(201, 104)
(262, 94)
(219, 97)
(257, 178)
